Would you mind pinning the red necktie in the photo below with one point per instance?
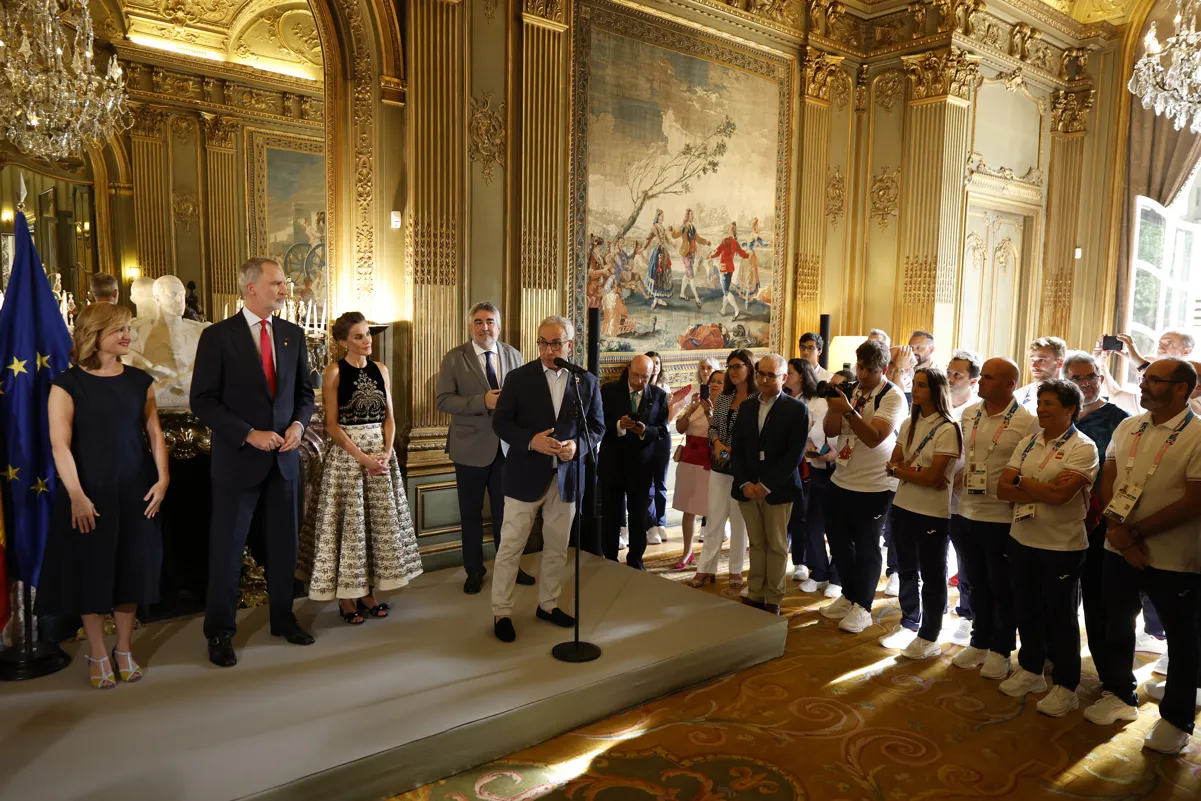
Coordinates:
(268, 362)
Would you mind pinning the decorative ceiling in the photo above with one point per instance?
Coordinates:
(1116, 12)
(274, 35)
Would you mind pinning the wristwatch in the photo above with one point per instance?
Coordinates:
(1017, 481)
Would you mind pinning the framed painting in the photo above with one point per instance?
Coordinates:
(681, 159)
(287, 203)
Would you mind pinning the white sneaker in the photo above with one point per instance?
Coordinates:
(995, 666)
(800, 573)
(970, 658)
(1156, 690)
(1110, 709)
(833, 591)
(963, 633)
(1058, 702)
(1166, 738)
(898, 637)
(653, 537)
(623, 539)
(1022, 682)
(837, 610)
(662, 532)
(1161, 667)
(1145, 643)
(921, 649)
(809, 585)
(856, 620)
(893, 588)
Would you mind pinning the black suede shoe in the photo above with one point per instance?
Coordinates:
(556, 616)
(504, 630)
(756, 604)
(294, 634)
(221, 651)
(524, 577)
(474, 584)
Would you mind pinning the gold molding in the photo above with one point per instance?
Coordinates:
(488, 135)
(836, 196)
(1069, 111)
(185, 208)
(937, 74)
(137, 54)
(885, 195)
(820, 72)
(219, 132)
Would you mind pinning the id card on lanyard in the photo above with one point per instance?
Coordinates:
(1026, 511)
(1126, 496)
(976, 475)
(847, 450)
(925, 441)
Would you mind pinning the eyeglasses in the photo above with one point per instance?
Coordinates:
(553, 345)
(767, 376)
(1084, 379)
(809, 348)
(1152, 379)
(736, 366)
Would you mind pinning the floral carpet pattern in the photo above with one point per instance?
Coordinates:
(839, 718)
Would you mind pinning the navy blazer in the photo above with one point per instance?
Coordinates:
(629, 451)
(782, 445)
(230, 395)
(525, 409)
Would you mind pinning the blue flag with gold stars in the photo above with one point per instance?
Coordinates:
(35, 347)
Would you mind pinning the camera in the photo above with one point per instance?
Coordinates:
(827, 390)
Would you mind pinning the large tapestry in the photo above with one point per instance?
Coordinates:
(288, 202)
(680, 170)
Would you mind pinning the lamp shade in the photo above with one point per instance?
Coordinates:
(841, 352)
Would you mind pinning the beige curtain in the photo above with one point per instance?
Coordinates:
(1159, 162)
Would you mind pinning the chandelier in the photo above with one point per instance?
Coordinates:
(1175, 90)
(52, 101)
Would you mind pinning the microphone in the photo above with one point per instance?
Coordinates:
(563, 364)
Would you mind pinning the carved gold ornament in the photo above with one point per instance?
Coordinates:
(949, 73)
(889, 88)
(487, 128)
(1069, 110)
(547, 9)
(787, 12)
(148, 122)
(186, 208)
(840, 89)
(821, 71)
(182, 128)
(219, 131)
(836, 196)
(885, 194)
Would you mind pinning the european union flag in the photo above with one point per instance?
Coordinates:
(35, 347)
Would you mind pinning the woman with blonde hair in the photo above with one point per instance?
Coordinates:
(358, 535)
(105, 546)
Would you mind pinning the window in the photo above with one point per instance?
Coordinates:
(1166, 279)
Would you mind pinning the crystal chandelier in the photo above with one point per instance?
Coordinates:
(52, 102)
(1175, 90)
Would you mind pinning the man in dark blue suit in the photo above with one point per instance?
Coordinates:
(635, 422)
(537, 415)
(765, 457)
(251, 386)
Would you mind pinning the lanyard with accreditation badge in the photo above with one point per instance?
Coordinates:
(1126, 497)
(976, 478)
(917, 451)
(1026, 511)
(848, 447)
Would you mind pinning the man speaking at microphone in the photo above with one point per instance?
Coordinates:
(537, 415)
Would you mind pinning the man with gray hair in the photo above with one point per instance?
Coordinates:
(105, 288)
(765, 456)
(468, 387)
(539, 416)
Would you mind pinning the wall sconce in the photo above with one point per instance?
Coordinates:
(87, 226)
(6, 216)
(131, 273)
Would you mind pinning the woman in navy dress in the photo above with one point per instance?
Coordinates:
(105, 546)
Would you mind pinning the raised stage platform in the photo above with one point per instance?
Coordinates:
(369, 710)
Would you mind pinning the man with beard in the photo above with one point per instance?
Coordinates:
(1046, 362)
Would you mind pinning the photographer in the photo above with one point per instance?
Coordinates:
(861, 491)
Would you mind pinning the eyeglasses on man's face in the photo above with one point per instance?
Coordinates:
(1154, 380)
(554, 344)
(1081, 380)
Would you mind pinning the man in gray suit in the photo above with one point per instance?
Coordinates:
(469, 383)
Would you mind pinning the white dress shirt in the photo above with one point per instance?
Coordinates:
(765, 405)
(253, 320)
(479, 354)
(556, 380)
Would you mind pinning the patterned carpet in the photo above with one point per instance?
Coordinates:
(838, 718)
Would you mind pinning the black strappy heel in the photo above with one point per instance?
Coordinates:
(353, 617)
(379, 610)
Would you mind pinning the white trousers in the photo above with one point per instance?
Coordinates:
(557, 515)
(721, 508)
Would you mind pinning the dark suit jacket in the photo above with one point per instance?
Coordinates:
(524, 409)
(630, 452)
(782, 444)
(231, 397)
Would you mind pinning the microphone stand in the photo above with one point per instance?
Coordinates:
(574, 650)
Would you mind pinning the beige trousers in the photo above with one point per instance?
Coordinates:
(767, 532)
(557, 515)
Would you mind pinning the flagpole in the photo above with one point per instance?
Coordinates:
(31, 660)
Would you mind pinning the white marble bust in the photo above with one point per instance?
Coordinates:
(165, 345)
(141, 292)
